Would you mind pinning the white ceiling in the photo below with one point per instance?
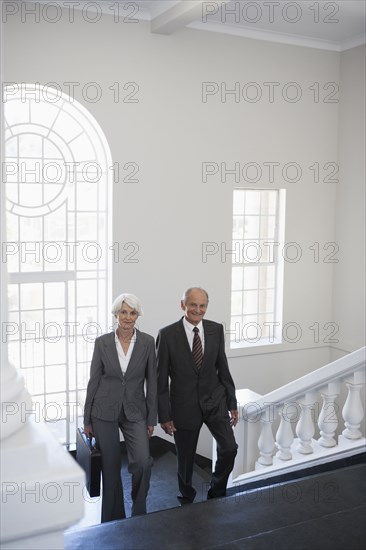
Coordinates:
(337, 25)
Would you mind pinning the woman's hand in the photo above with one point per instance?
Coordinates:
(150, 430)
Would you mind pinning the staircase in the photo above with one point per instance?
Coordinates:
(275, 500)
(325, 511)
(316, 419)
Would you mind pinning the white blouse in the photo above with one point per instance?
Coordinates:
(124, 359)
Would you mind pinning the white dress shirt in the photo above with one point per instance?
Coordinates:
(190, 334)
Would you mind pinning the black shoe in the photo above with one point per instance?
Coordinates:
(211, 495)
(184, 500)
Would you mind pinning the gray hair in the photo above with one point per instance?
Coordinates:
(130, 299)
(186, 293)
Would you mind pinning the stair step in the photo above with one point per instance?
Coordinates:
(323, 511)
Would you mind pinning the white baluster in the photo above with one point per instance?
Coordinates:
(305, 429)
(328, 421)
(266, 442)
(353, 412)
(284, 436)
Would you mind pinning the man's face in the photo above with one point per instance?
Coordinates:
(195, 306)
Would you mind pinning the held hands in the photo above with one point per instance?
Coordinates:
(234, 418)
(168, 427)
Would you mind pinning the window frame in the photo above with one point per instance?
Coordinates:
(78, 179)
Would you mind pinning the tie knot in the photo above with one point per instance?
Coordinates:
(196, 330)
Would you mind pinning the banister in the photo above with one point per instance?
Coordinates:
(332, 371)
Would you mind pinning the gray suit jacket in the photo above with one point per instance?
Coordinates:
(193, 396)
(109, 390)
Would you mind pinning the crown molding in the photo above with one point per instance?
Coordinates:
(279, 38)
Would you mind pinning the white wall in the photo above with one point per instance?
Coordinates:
(349, 275)
(171, 131)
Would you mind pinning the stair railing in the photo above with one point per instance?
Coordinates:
(314, 419)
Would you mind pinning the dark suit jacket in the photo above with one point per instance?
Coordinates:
(194, 395)
(109, 390)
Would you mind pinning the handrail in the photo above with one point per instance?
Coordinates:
(312, 381)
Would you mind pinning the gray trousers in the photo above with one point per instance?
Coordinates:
(139, 465)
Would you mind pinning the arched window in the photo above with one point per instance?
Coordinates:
(57, 172)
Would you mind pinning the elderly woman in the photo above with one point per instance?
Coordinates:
(122, 394)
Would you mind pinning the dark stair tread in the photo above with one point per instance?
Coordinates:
(323, 511)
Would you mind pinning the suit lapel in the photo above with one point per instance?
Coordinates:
(137, 354)
(111, 353)
(209, 335)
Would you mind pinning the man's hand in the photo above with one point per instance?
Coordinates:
(168, 427)
(88, 430)
(150, 430)
(234, 418)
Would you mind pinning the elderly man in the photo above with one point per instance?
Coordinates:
(191, 352)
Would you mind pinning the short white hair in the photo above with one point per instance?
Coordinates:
(189, 290)
(130, 299)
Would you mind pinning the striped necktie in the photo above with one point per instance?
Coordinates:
(197, 348)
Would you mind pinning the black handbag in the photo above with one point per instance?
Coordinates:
(89, 458)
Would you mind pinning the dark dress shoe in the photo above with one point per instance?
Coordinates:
(184, 500)
(210, 494)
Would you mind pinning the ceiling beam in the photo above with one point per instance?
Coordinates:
(181, 14)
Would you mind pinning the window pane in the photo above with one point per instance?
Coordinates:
(86, 228)
(238, 207)
(87, 196)
(30, 229)
(34, 380)
(266, 277)
(54, 294)
(251, 278)
(55, 351)
(237, 278)
(267, 227)
(266, 301)
(55, 324)
(13, 297)
(31, 351)
(31, 296)
(250, 301)
(252, 251)
(238, 227)
(11, 328)
(252, 202)
(55, 227)
(55, 407)
(251, 230)
(86, 292)
(236, 303)
(55, 378)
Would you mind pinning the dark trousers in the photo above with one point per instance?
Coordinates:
(186, 444)
(139, 465)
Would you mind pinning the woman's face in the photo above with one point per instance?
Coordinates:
(126, 317)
